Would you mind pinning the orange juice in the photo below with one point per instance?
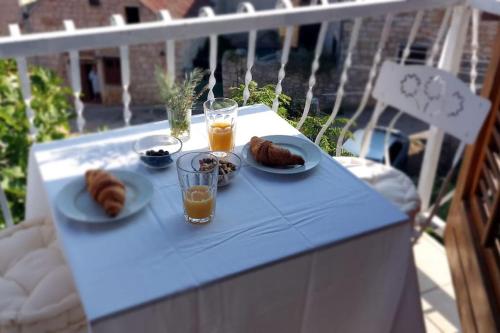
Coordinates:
(198, 202)
(221, 136)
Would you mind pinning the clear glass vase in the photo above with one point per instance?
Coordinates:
(180, 123)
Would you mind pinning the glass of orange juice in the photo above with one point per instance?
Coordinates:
(198, 186)
(220, 117)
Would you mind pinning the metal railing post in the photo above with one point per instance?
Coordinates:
(449, 61)
(25, 82)
(75, 79)
(165, 16)
(118, 20)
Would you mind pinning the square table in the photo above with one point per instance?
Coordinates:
(314, 252)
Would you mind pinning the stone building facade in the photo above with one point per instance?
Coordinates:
(10, 12)
(48, 15)
(296, 80)
(295, 84)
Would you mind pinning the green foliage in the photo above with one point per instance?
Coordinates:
(264, 95)
(179, 97)
(50, 102)
(312, 125)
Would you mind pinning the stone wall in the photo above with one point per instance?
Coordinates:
(48, 15)
(370, 35)
(295, 83)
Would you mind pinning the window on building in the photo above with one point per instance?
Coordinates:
(489, 17)
(306, 33)
(94, 2)
(417, 56)
(112, 71)
(132, 15)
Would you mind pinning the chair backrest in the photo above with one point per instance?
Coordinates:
(433, 96)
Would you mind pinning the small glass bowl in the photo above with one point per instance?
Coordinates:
(232, 158)
(157, 143)
(225, 175)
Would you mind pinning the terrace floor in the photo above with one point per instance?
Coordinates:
(436, 288)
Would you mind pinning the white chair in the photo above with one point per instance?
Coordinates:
(37, 293)
(430, 95)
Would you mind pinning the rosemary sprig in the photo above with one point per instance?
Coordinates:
(179, 97)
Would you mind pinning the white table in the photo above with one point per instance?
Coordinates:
(316, 252)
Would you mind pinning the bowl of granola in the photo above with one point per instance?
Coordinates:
(229, 166)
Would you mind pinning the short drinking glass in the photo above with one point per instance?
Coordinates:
(220, 117)
(198, 187)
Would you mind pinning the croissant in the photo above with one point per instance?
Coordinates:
(107, 190)
(270, 154)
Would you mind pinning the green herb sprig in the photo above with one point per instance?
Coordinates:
(179, 97)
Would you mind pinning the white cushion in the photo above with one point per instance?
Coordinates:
(37, 293)
(388, 181)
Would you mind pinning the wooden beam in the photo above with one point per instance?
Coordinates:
(475, 267)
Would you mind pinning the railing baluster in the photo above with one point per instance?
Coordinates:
(25, 82)
(439, 36)
(75, 78)
(247, 7)
(170, 47)
(390, 128)
(441, 198)
(411, 36)
(314, 67)
(474, 48)
(429, 62)
(353, 40)
(449, 61)
(406, 53)
(284, 54)
(209, 12)
(24, 78)
(125, 72)
(369, 85)
(368, 89)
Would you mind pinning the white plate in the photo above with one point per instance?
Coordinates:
(75, 202)
(299, 146)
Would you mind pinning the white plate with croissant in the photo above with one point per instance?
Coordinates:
(101, 196)
(281, 154)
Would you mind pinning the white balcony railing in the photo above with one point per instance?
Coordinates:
(449, 38)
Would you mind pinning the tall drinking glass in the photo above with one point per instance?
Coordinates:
(198, 187)
(220, 117)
